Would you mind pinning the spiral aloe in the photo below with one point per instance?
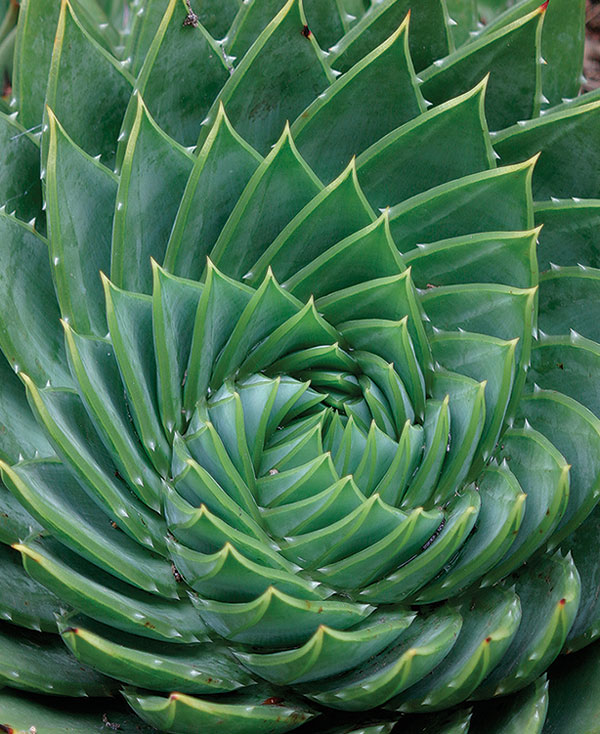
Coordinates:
(299, 419)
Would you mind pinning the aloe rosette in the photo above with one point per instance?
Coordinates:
(321, 441)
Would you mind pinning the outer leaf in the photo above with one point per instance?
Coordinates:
(33, 52)
(549, 594)
(39, 663)
(568, 236)
(79, 65)
(429, 38)
(80, 194)
(25, 602)
(521, 712)
(511, 55)
(246, 713)
(155, 170)
(258, 96)
(29, 334)
(422, 146)
(56, 500)
(557, 135)
(281, 186)
(335, 127)
(490, 621)
(210, 195)
(20, 189)
(495, 200)
(206, 668)
(576, 671)
(103, 597)
(335, 213)
(20, 713)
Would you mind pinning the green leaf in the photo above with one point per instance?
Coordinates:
(229, 576)
(335, 127)
(566, 364)
(329, 652)
(29, 331)
(20, 188)
(467, 419)
(463, 18)
(575, 432)
(429, 35)
(107, 599)
(258, 96)
(549, 593)
(416, 653)
(499, 519)
(567, 301)
(145, 23)
(15, 521)
(586, 627)
(251, 20)
(523, 711)
(383, 554)
(494, 257)
(305, 329)
(100, 387)
(276, 619)
(160, 666)
(448, 142)
(460, 517)
(496, 310)
(576, 672)
(201, 530)
(250, 712)
(79, 65)
(129, 317)
(76, 441)
(268, 308)
(21, 712)
(392, 298)
(543, 474)
(80, 195)
(327, 19)
(436, 425)
(338, 211)
(21, 434)
(183, 72)
(96, 22)
(511, 55)
(565, 168)
(280, 187)
(218, 15)
(482, 359)
(211, 193)
(490, 621)
(365, 255)
(495, 200)
(33, 52)
(391, 340)
(222, 302)
(153, 178)
(569, 232)
(25, 602)
(55, 498)
(561, 77)
(174, 306)
(38, 662)
(561, 72)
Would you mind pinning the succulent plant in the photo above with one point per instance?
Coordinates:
(299, 410)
